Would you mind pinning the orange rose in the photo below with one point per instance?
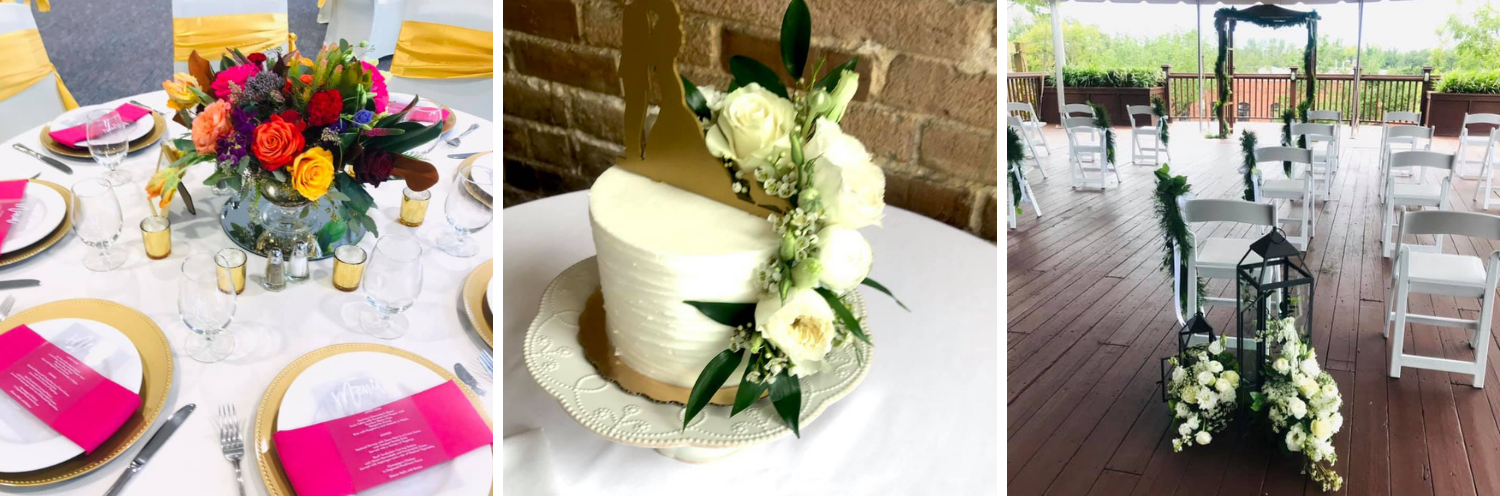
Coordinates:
(277, 142)
(312, 173)
(211, 124)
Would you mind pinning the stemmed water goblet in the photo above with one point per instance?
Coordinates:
(467, 209)
(392, 282)
(206, 301)
(108, 143)
(97, 221)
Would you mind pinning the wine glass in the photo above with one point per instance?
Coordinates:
(206, 301)
(97, 221)
(393, 279)
(468, 209)
(108, 143)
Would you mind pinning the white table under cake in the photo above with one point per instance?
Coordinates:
(924, 421)
(272, 328)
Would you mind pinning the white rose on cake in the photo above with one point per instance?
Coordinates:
(845, 257)
(849, 185)
(747, 120)
(802, 328)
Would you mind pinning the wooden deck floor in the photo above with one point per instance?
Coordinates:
(1090, 316)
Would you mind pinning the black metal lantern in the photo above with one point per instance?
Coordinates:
(1196, 325)
(1273, 283)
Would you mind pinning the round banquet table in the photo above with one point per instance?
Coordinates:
(272, 328)
(924, 421)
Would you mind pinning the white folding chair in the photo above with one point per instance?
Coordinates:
(1218, 258)
(1485, 141)
(264, 28)
(1298, 186)
(1461, 276)
(1320, 140)
(1414, 195)
(1087, 162)
(376, 21)
(1147, 130)
(1030, 125)
(1399, 138)
(1026, 197)
(1077, 108)
(1335, 119)
(474, 95)
(40, 94)
(1016, 123)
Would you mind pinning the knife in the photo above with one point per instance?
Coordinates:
(464, 155)
(19, 283)
(45, 159)
(463, 375)
(154, 444)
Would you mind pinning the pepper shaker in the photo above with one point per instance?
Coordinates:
(275, 272)
(297, 266)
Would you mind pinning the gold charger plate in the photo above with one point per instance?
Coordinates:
(478, 194)
(157, 130)
(265, 415)
(475, 306)
(57, 234)
(156, 382)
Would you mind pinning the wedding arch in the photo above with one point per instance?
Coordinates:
(1270, 16)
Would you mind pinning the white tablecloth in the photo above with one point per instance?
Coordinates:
(272, 328)
(925, 421)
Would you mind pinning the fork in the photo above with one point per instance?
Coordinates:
(10, 301)
(232, 442)
(488, 362)
(456, 140)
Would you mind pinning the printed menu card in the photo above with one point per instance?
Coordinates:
(11, 195)
(66, 394)
(383, 444)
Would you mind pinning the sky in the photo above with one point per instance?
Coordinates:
(1403, 25)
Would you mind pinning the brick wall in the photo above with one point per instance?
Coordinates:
(925, 109)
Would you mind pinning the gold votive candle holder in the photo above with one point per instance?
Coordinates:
(413, 207)
(348, 267)
(156, 231)
(232, 261)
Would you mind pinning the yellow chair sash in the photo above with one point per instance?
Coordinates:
(427, 50)
(213, 36)
(41, 5)
(26, 64)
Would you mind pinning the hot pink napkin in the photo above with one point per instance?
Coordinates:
(11, 194)
(354, 453)
(65, 394)
(77, 134)
(422, 113)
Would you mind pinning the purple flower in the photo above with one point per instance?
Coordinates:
(363, 117)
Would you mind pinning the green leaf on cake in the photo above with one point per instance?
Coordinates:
(843, 313)
(747, 70)
(796, 36)
(786, 395)
(730, 314)
(709, 381)
(878, 287)
(749, 390)
(832, 78)
(695, 100)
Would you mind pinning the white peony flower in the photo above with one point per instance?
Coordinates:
(1282, 365)
(1330, 391)
(1310, 367)
(1207, 399)
(1322, 428)
(1190, 395)
(1184, 429)
(1216, 347)
(845, 257)
(1182, 410)
(1297, 407)
(802, 328)
(1295, 437)
(1192, 423)
(1337, 420)
(1178, 373)
(850, 187)
(1307, 386)
(1226, 397)
(749, 119)
(1215, 367)
(1223, 384)
(1205, 378)
(1203, 437)
(1232, 376)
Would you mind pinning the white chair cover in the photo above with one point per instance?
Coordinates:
(202, 8)
(37, 104)
(376, 21)
(475, 96)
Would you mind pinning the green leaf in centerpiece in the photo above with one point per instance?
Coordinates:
(730, 314)
(832, 79)
(695, 100)
(709, 381)
(796, 36)
(331, 232)
(749, 390)
(747, 70)
(843, 314)
(184, 145)
(335, 194)
(786, 395)
(878, 287)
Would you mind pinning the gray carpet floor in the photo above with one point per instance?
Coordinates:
(111, 49)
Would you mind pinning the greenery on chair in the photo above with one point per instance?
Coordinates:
(1013, 156)
(1287, 118)
(1486, 82)
(1248, 171)
(1091, 77)
(1101, 121)
(1159, 109)
(1174, 229)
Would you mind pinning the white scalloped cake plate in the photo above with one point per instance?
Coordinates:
(557, 363)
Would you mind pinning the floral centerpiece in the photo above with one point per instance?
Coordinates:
(790, 142)
(1301, 401)
(293, 131)
(1202, 393)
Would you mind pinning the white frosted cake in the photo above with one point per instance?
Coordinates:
(659, 246)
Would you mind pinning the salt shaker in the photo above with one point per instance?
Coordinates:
(275, 272)
(297, 266)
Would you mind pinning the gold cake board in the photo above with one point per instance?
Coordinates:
(600, 353)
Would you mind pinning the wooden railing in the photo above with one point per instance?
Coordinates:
(1025, 87)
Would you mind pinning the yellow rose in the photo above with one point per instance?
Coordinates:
(180, 94)
(312, 173)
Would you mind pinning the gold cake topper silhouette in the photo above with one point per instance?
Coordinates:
(676, 153)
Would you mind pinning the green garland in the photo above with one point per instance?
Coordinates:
(1286, 137)
(1247, 147)
(1174, 228)
(1013, 155)
(1101, 121)
(1159, 109)
(1270, 16)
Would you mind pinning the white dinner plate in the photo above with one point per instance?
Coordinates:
(486, 182)
(26, 443)
(403, 98)
(349, 383)
(134, 131)
(41, 211)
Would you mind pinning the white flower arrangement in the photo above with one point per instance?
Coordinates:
(1202, 393)
(1301, 401)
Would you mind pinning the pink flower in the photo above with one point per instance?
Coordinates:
(237, 75)
(381, 95)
